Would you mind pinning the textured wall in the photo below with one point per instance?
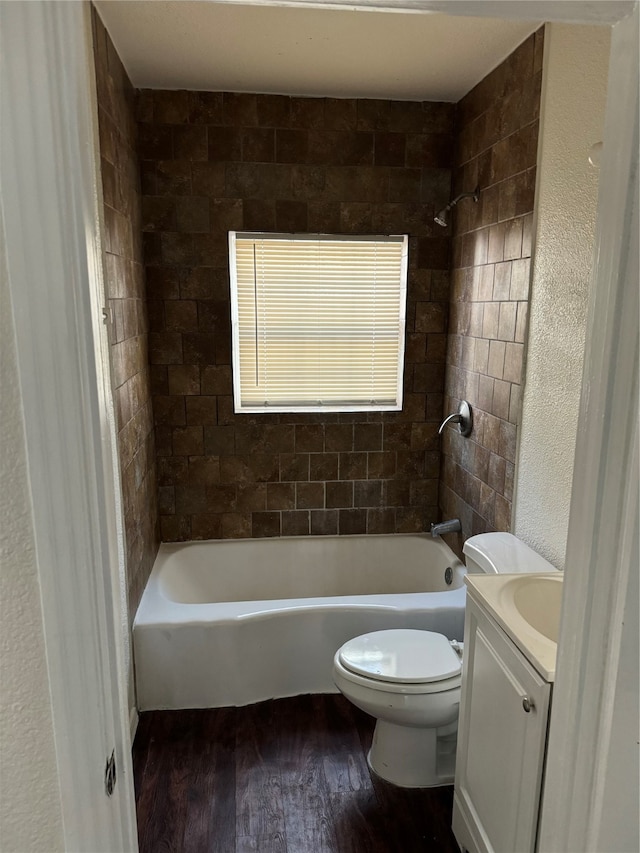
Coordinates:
(29, 775)
(214, 162)
(497, 127)
(572, 119)
(128, 332)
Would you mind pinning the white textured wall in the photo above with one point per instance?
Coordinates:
(30, 811)
(576, 60)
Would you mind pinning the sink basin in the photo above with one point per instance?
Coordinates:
(537, 600)
(527, 607)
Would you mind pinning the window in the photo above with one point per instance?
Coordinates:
(318, 322)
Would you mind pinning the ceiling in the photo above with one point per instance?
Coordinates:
(212, 46)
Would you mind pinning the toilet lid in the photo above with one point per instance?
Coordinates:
(405, 656)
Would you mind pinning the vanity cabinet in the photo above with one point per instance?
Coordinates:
(501, 741)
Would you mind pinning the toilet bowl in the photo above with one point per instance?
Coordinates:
(409, 680)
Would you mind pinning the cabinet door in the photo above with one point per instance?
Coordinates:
(501, 745)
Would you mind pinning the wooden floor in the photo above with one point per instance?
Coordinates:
(289, 775)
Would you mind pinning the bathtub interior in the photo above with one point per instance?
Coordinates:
(305, 567)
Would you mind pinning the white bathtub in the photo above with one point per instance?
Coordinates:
(235, 622)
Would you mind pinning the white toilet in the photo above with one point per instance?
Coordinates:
(410, 680)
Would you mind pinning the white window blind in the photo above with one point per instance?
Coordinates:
(318, 321)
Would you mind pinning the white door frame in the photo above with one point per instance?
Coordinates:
(50, 198)
(602, 539)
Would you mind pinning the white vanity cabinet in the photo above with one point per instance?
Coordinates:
(501, 744)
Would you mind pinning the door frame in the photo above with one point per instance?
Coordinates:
(50, 198)
(602, 539)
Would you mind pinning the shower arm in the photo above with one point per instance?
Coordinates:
(475, 195)
(440, 217)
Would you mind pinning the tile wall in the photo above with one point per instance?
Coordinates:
(497, 135)
(213, 162)
(128, 329)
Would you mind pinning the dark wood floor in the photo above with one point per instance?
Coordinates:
(289, 775)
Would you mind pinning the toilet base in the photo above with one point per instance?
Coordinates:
(412, 757)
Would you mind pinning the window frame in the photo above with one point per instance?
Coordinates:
(235, 324)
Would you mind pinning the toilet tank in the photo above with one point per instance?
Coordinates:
(502, 553)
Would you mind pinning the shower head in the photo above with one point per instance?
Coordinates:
(441, 217)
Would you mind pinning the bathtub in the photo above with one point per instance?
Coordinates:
(238, 621)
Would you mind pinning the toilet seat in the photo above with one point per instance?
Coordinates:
(400, 661)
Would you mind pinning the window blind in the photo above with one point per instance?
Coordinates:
(318, 321)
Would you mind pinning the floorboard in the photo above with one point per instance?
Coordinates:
(284, 776)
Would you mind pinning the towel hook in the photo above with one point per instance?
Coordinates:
(463, 417)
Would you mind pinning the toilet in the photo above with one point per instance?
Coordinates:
(409, 680)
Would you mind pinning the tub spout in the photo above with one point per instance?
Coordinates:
(451, 526)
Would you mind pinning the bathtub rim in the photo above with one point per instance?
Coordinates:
(156, 609)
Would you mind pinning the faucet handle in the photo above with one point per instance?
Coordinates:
(463, 417)
(454, 418)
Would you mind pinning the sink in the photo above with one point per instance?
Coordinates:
(527, 607)
(535, 599)
(538, 601)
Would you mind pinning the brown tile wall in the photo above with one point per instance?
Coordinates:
(128, 329)
(497, 135)
(214, 162)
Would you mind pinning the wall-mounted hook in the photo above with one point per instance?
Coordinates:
(463, 417)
